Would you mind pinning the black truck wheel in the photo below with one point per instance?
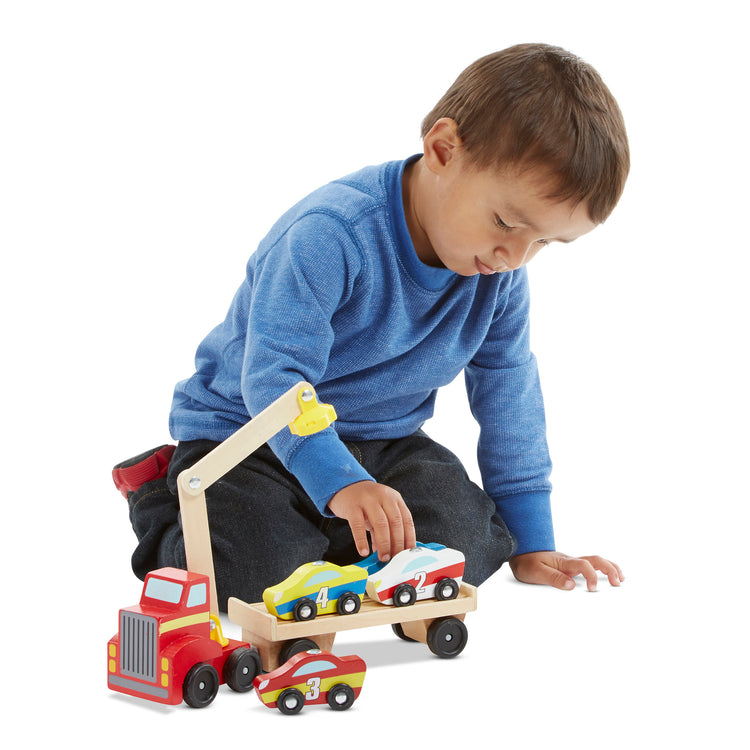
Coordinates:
(241, 668)
(200, 685)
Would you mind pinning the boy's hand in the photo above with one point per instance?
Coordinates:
(558, 570)
(373, 507)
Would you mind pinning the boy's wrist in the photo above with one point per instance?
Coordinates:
(323, 466)
(528, 517)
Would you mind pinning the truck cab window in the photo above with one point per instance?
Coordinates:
(165, 591)
(198, 595)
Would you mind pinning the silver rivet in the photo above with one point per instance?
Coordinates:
(307, 395)
(194, 483)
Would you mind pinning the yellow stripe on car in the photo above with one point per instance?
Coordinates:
(355, 680)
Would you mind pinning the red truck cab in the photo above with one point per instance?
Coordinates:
(170, 648)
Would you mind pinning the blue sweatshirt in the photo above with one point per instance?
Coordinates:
(336, 295)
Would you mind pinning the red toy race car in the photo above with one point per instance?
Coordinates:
(312, 677)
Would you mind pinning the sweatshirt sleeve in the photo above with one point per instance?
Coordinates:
(506, 400)
(297, 284)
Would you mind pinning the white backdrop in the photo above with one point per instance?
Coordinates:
(145, 149)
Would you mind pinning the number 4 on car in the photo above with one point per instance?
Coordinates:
(317, 588)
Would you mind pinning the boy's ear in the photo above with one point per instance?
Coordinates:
(441, 145)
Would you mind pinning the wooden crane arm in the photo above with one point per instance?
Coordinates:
(298, 408)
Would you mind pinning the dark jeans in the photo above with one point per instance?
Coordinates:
(263, 525)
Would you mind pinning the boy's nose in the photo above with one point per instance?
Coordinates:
(513, 256)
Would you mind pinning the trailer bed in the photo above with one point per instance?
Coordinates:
(268, 633)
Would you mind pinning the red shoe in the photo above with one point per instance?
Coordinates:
(131, 474)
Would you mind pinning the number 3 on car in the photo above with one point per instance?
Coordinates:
(310, 678)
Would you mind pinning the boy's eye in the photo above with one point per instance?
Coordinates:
(507, 228)
(500, 223)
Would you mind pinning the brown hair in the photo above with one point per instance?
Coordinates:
(536, 105)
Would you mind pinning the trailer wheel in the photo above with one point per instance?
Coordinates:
(293, 647)
(241, 668)
(290, 701)
(398, 629)
(446, 637)
(200, 685)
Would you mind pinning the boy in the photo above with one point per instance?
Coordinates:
(378, 289)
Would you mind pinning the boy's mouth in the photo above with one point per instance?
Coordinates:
(483, 268)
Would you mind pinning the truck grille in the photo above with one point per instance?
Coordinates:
(138, 646)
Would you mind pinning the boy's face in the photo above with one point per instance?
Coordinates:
(483, 221)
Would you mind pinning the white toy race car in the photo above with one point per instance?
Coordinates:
(422, 572)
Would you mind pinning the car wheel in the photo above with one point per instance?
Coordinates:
(348, 604)
(446, 637)
(200, 685)
(305, 609)
(447, 588)
(340, 697)
(241, 668)
(290, 701)
(297, 646)
(404, 595)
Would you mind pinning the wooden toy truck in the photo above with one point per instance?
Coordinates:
(169, 647)
(439, 624)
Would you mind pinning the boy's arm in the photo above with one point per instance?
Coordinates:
(505, 396)
(504, 390)
(299, 285)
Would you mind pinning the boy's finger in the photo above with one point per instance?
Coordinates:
(610, 569)
(556, 578)
(579, 566)
(543, 575)
(391, 515)
(410, 533)
(403, 523)
(407, 525)
(380, 530)
(613, 571)
(397, 531)
(359, 533)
